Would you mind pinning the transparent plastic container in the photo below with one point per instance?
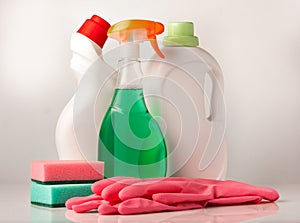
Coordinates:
(130, 140)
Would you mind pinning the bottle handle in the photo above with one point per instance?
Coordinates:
(217, 88)
(216, 112)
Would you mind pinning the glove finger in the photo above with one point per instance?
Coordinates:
(79, 200)
(143, 206)
(87, 206)
(237, 189)
(174, 198)
(235, 200)
(111, 192)
(267, 193)
(98, 186)
(107, 209)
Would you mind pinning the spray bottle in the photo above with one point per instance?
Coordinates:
(130, 140)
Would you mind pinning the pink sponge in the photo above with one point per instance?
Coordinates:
(66, 171)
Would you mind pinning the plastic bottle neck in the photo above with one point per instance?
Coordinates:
(130, 74)
(129, 90)
(85, 53)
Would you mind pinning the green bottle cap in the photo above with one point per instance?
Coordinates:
(180, 34)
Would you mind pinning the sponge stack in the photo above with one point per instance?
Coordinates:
(54, 182)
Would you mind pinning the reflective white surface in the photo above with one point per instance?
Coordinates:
(15, 207)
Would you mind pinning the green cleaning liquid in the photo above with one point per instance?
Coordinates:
(130, 140)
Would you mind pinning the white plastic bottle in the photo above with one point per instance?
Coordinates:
(86, 45)
(188, 98)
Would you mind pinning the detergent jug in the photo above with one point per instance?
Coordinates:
(188, 98)
(76, 131)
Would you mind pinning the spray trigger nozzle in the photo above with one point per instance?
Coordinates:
(137, 30)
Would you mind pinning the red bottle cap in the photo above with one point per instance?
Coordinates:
(95, 29)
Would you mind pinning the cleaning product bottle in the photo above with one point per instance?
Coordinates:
(193, 111)
(130, 141)
(86, 45)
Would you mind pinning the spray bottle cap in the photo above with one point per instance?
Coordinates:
(95, 29)
(137, 30)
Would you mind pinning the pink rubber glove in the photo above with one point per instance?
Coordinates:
(172, 191)
(142, 205)
(109, 188)
(126, 195)
(195, 188)
(131, 206)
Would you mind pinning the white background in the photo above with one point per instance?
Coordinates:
(257, 43)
